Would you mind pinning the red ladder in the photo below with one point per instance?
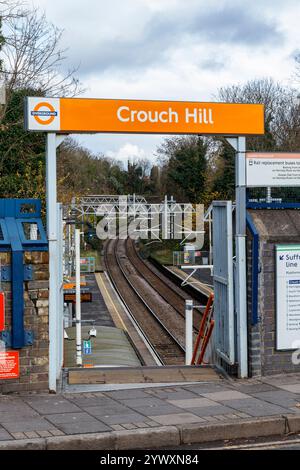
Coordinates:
(205, 331)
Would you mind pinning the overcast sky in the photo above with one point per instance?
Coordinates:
(172, 50)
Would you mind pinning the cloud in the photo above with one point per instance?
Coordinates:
(236, 25)
(146, 38)
(172, 49)
(127, 152)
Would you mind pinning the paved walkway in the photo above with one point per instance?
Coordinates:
(41, 416)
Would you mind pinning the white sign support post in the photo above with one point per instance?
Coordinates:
(78, 299)
(51, 191)
(53, 141)
(239, 144)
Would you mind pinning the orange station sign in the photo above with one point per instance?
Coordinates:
(83, 115)
(9, 365)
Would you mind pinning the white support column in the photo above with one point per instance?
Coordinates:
(60, 294)
(239, 144)
(53, 141)
(240, 241)
(78, 299)
(51, 191)
(188, 332)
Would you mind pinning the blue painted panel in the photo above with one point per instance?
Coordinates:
(18, 338)
(15, 208)
(273, 205)
(13, 214)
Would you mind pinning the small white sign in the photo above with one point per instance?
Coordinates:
(43, 114)
(272, 169)
(287, 296)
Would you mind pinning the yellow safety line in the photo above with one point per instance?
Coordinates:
(112, 302)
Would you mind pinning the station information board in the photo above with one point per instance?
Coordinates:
(85, 295)
(287, 296)
(272, 169)
(9, 365)
(81, 115)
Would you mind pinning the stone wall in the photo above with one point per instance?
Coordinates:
(33, 359)
(274, 227)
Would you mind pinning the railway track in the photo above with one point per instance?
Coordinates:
(164, 286)
(167, 343)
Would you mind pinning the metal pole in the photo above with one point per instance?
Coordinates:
(240, 241)
(134, 205)
(165, 222)
(188, 332)
(51, 193)
(209, 232)
(78, 299)
(171, 219)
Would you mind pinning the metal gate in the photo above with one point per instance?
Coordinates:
(224, 335)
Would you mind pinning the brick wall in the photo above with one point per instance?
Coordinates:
(274, 227)
(254, 339)
(33, 359)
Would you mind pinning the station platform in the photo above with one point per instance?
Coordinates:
(110, 347)
(119, 353)
(123, 320)
(201, 281)
(96, 312)
(119, 341)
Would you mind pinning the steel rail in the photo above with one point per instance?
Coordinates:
(140, 299)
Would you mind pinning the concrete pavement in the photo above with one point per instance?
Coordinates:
(152, 417)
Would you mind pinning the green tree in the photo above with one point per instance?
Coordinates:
(224, 182)
(185, 161)
(32, 62)
(280, 114)
(138, 180)
(155, 181)
(21, 153)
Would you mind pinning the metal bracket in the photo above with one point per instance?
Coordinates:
(6, 337)
(6, 273)
(233, 141)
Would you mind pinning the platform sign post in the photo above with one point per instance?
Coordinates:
(53, 141)
(239, 144)
(240, 247)
(78, 299)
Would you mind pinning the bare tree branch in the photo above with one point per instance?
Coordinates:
(282, 117)
(33, 58)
